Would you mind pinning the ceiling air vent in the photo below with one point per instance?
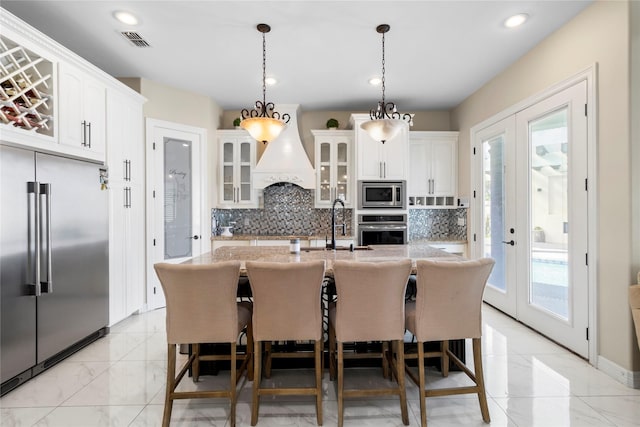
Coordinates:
(135, 39)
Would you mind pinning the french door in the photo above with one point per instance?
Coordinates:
(175, 202)
(533, 215)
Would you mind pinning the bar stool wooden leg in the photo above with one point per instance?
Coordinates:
(267, 359)
(250, 352)
(332, 353)
(340, 385)
(256, 382)
(232, 385)
(421, 385)
(195, 367)
(482, 395)
(385, 360)
(444, 360)
(318, 357)
(399, 369)
(171, 372)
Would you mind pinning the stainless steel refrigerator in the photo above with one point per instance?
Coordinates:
(54, 290)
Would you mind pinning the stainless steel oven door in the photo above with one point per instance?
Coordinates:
(382, 234)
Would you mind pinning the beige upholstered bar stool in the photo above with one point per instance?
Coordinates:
(202, 308)
(448, 306)
(287, 300)
(369, 307)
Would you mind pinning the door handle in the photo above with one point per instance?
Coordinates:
(89, 126)
(84, 133)
(510, 242)
(46, 190)
(34, 188)
(385, 169)
(195, 237)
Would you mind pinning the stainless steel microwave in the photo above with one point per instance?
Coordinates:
(382, 194)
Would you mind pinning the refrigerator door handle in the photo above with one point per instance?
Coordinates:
(34, 236)
(45, 189)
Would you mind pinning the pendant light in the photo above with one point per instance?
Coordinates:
(385, 121)
(262, 122)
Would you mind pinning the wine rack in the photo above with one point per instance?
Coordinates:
(26, 87)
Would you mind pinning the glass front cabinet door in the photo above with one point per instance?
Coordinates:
(334, 165)
(237, 159)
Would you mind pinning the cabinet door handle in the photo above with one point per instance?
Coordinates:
(84, 133)
(89, 126)
(384, 175)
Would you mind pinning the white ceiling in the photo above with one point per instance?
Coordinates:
(322, 52)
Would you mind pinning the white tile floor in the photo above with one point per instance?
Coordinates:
(119, 381)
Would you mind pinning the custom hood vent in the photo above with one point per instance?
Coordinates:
(284, 159)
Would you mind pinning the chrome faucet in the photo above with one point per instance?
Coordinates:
(333, 223)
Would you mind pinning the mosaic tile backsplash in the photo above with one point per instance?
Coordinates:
(437, 224)
(289, 210)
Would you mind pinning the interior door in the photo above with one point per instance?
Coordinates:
(176, 220)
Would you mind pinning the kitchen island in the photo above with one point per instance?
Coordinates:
(374, 253)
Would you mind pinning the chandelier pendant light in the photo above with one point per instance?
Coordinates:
(385, 121)
(262, 122)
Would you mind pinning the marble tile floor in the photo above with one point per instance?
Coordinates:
(119, 381)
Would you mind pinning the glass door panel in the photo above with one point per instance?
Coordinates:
(177, 199)
(494, 208)
(549, 281)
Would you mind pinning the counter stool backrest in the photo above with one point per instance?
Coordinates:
(287, 300)
(201, 302)
(449, 299)
(370, 303)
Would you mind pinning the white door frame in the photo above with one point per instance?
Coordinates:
(590, 76)
(153, 216)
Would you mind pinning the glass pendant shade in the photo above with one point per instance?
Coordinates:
(386, 122)
(264, 129)
(383, 129)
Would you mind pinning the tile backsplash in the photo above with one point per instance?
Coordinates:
(437, 224)
(289, 210)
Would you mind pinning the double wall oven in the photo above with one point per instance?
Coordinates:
(385, 229)
(382, 217)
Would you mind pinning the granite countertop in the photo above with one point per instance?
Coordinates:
(279, 237)
(413, 251)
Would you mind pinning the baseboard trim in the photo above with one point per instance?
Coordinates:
(629, 378)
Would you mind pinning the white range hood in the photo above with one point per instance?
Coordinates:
(284, 159)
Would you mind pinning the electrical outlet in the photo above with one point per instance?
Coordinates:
(461, 221)
(246, 222)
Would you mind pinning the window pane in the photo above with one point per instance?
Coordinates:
(177, 198)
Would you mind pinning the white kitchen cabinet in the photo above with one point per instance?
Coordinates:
(82, 109)
(125, 159)
(237, 160)
(433, 170)
(334, 167)
(378, 161)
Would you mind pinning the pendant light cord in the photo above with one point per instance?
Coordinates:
(264, 69)
(383, 70)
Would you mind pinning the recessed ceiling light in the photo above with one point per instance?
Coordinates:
(375, 81)
(270, 81)
(125, 17)
(516, 20)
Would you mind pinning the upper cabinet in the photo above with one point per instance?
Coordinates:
(333, 167)
(237, 159)
(433, 169)
(378, 161)
(82, 114)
